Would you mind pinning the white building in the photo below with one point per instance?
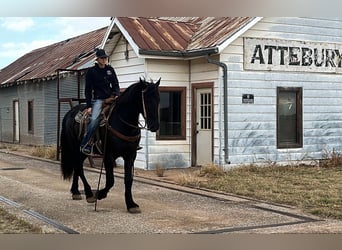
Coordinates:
(235, 90)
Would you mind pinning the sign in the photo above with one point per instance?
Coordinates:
(286, 55)
(248, 98)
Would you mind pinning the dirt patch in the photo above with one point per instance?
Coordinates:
(175, 175)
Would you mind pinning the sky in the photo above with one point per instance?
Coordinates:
(20, 35)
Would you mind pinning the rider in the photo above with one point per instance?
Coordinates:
(101, 83)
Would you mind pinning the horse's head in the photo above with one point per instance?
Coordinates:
(151, 100)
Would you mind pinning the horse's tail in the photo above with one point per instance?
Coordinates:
(70, 144)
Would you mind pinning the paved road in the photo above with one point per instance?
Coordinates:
(34, 190)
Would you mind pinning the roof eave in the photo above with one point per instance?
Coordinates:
(106, 36)
(116, 22)
(180, 54)
(238, 33)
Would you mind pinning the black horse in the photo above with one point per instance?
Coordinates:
(121, 136)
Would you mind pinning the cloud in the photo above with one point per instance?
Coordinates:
(14, 51)
(74, 26)
(46, 31)
(17, 23)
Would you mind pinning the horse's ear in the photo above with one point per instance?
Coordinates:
(158, 82)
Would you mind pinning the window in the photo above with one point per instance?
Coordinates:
(205, 111)
(30, 116)
(172, 114)
(289, 118)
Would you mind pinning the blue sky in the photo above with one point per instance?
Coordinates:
(20, 35)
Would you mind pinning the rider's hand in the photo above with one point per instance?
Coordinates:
(110, 100)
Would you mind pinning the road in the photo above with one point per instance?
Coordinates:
(34, 190)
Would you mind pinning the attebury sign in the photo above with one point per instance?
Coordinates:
(286, 55)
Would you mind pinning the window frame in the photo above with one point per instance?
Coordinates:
(182, 136)
(30, 116)
(299, 118)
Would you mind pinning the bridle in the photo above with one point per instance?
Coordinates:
(140, 126)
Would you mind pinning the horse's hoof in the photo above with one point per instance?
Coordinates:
(134, 210)
(101, 195)
(91, 199)
(77, 197)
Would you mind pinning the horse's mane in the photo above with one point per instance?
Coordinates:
(127, 94)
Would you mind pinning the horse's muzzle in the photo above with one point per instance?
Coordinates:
(154, 127)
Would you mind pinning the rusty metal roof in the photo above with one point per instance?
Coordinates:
(181, 33)
(214, 31)
(43, 63)
(155, 34)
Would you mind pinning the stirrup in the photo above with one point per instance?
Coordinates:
(85, 150)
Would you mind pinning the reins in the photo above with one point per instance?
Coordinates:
(131, 125)
(143, 104)
(144, 114)
(102, 164)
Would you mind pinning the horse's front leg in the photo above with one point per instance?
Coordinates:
(132, 207)
(109, 163)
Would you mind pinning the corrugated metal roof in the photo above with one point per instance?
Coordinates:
(181, 33)
(160, 34)
(43, 63)
(155, 34)
(214, 31)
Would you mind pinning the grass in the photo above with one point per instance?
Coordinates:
(160, 170)
(10, 224)
(47, 152)
(315, 189)
(8, 147)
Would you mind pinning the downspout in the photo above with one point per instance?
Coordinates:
(147, 151)
(147, 156)
(225, 104)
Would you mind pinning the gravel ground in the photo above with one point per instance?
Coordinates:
(36, 186)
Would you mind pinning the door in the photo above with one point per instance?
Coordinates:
(203, 132)
(16, 134)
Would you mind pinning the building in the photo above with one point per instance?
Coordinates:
(28, 88)
(235, 90)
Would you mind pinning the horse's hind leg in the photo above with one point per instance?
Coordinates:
(76, 194)
(87, 189)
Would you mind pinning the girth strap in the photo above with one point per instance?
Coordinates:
(117, 133)
(124, 137)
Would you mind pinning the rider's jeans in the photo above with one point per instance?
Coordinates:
(94, 120)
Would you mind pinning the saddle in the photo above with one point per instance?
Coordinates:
(83, 119)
